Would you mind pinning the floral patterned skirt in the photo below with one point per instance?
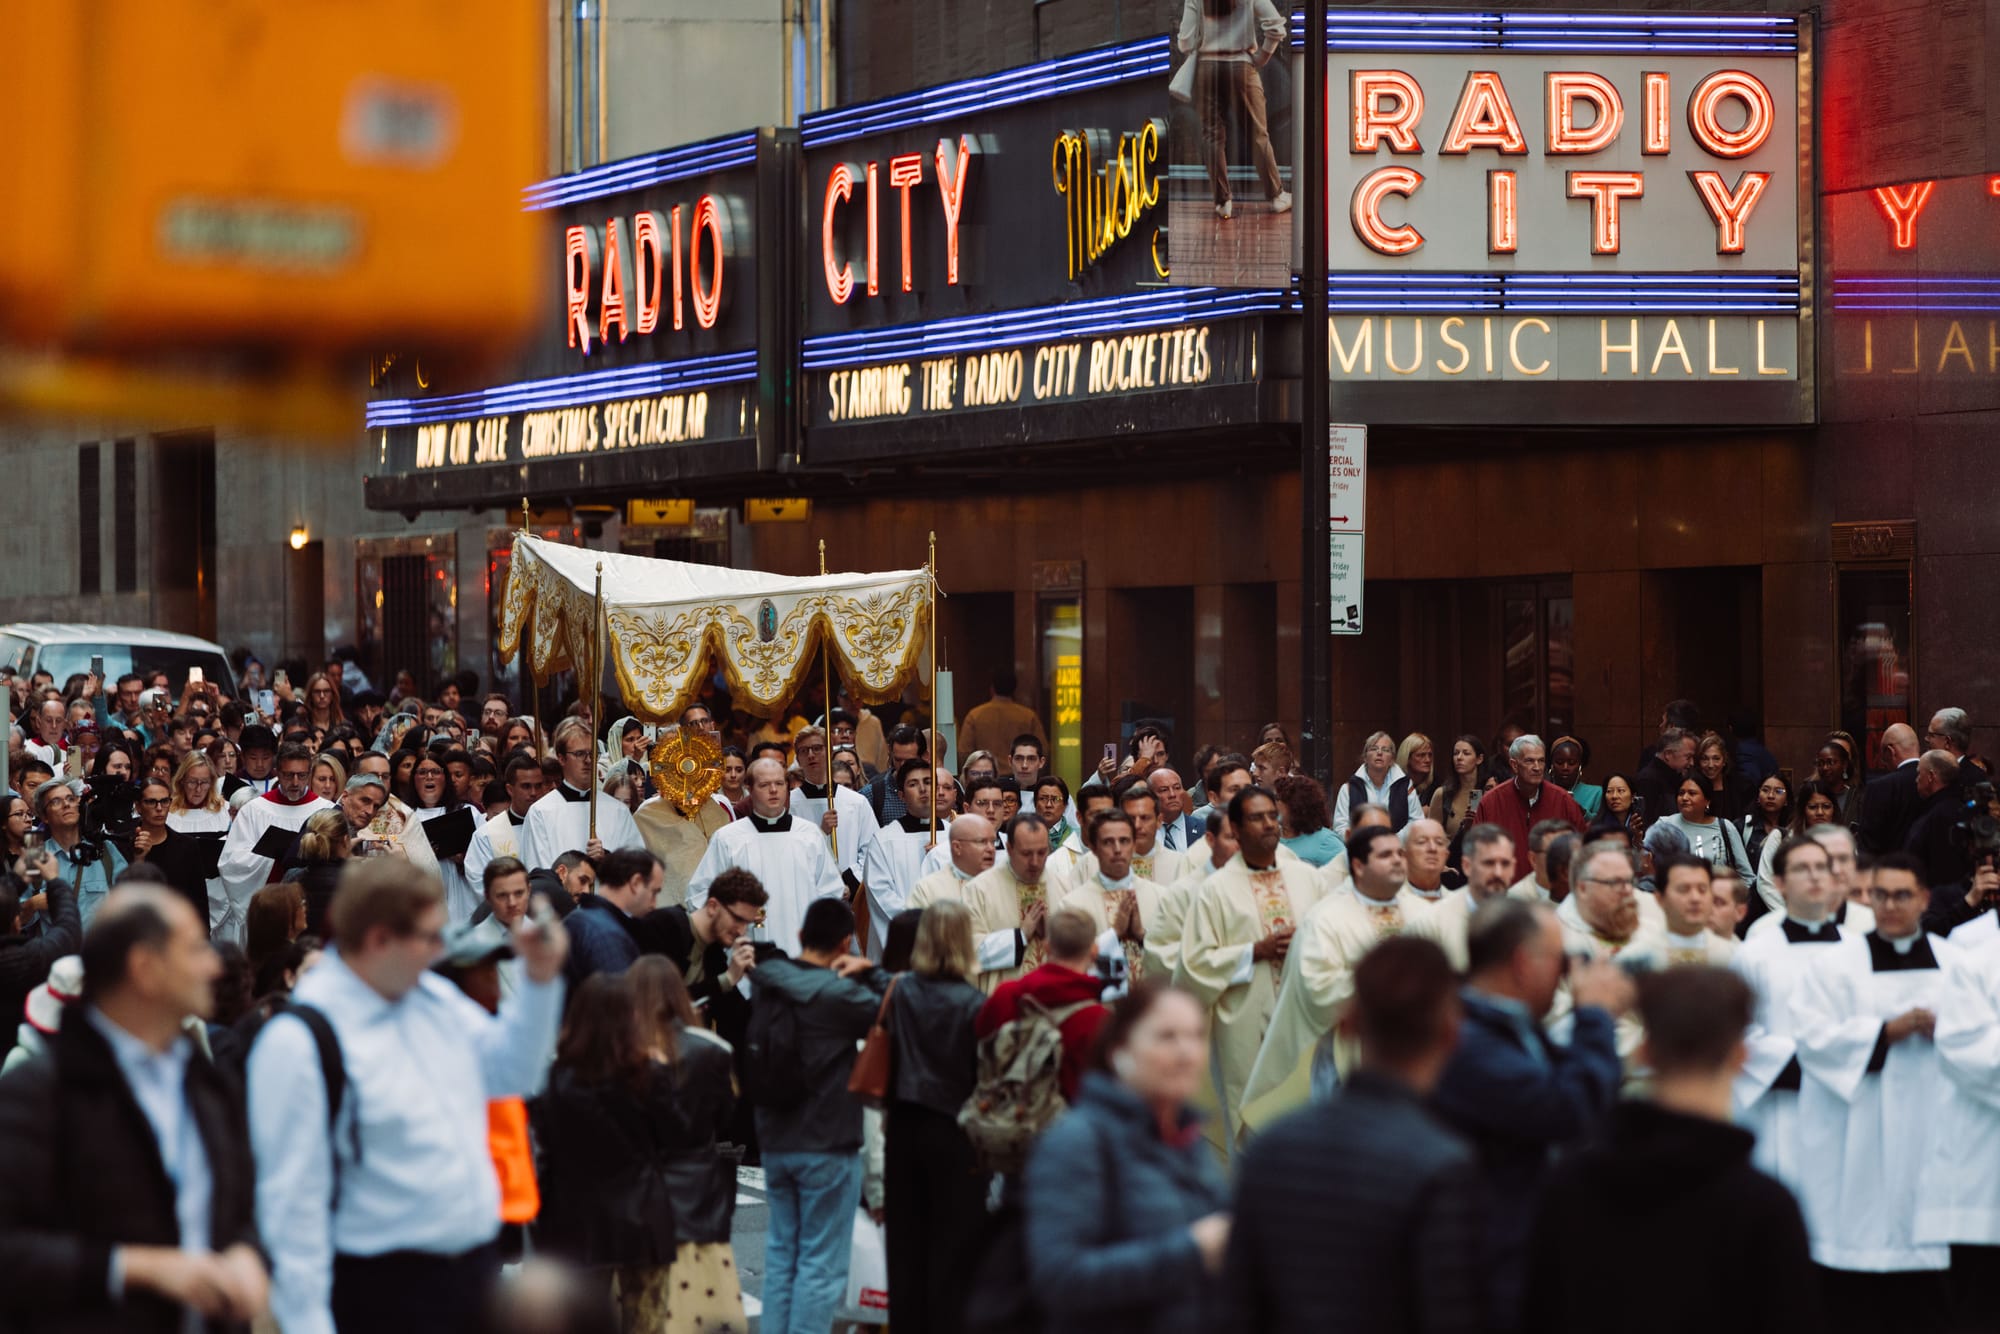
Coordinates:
(699, 1293)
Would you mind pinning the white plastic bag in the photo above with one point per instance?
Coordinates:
(867, 1300)
(1181, 86)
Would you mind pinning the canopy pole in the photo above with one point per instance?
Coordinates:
(596, 683)
(826, 679)
(930, 569)
(529, 688)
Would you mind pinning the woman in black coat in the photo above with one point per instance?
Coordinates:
(630, 1176)
(933, 1192)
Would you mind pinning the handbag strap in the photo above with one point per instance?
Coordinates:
(882, 1011)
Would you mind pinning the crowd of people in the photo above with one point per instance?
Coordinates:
(340, 1010)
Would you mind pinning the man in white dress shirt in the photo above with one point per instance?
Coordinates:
(787, 856)
(560, 822)
(383, 1217)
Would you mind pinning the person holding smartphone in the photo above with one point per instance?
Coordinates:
(25, 960)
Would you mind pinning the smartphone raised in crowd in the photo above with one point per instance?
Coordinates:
(196, 676)
(97, 666)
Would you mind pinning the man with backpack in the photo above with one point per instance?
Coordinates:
(807, 1015)
(376, 1190)
(1070, 982)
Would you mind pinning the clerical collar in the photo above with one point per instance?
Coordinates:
(1428, 895)
(569, 793)
(814, 790)
(914, 823)
(1256, 870)
(1893, 956)
(1124, 883)
(1697, 941)
(768, 825)
(277, 795)
(1810, 933)
(958, 874)
(1366, 900)
(509, 817)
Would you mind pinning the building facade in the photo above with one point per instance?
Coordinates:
(1639, 428)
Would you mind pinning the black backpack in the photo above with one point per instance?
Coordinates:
(774, 1070)
(333, 1069)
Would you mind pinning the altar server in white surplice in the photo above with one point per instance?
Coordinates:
(560, 821)
(1868, 1113)
(288, 805)
(1958, 1199)
(840, 813)
(893, 861)
(788, 857)
(1775, 965)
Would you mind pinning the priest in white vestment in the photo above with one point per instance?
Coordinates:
(1319, 975)
(1601, 919)
(288, 805)
(788, 857)
(1243, 921)
(1687, 898)
(1008, 902)
(560, 821)
(1124, 905)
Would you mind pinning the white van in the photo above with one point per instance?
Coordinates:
(61, 648)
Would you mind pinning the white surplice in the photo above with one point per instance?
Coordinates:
(1958, 1196)
(1775, 965)
(1863, 1135)
(857, 824)
(560, 822)
(1857, 919)
(462, 894)
(495, 838)
(243, 872)
(891, 865)
(204, 821)
(790, 861)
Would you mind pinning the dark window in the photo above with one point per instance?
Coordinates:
(124, 518)
(89, 538)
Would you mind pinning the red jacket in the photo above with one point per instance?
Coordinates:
(1054, 986)
(1503, 806)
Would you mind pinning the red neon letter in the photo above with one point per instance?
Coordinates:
(707, 304)
(1659, 124)
(1761, 113)
(839, 277)
(874, 230)
(1901, 204)
(1503, 220)
(578, 243)
(674, 263)
(1373, 122)
(906, 170)
(1565, 91)
(1605, 190)
(1484, 118)
(951, 194)
(1365, 208)
(649, 231)
(1730, 209)
(612, 307)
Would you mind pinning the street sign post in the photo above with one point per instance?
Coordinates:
(1346, 522)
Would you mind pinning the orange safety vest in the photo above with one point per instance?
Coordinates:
(513, 1160)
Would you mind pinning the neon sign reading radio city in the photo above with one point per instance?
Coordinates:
(644, 278)
(1387, 108)
(906, 171)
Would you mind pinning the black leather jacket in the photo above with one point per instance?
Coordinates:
(936, 1052)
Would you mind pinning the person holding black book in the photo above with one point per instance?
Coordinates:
(449, 824)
